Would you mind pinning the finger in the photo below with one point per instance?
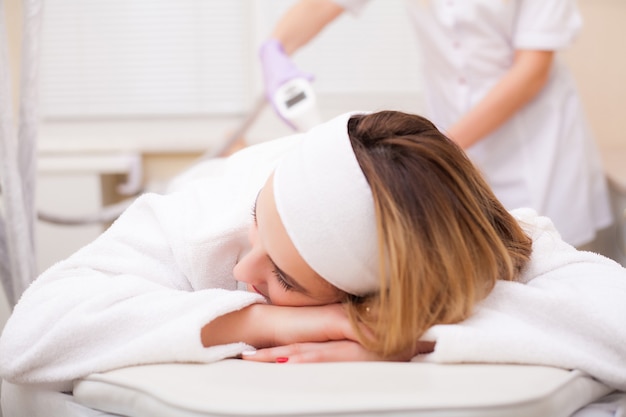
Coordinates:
(338, 351)
(342, 351)
(274, 353)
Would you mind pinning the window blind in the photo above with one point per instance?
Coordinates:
(145, 57)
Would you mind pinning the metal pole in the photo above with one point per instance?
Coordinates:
(17, 158)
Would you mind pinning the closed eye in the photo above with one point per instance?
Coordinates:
(287, 282)
(254, 212)
(281, 280)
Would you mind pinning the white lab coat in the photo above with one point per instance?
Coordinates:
(544, 157)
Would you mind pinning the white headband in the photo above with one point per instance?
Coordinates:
(326, 206)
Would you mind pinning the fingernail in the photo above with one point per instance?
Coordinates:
(248, 353)
(281, 359)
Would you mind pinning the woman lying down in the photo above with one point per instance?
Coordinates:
(371, 237)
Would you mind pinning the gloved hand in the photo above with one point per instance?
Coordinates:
(278, 68)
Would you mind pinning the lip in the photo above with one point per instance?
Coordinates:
(257, 290)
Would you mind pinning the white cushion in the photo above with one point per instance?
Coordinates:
(240, 388)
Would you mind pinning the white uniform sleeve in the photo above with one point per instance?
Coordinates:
(143, 290)
(546, 25)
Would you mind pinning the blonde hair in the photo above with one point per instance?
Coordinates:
(444, 237)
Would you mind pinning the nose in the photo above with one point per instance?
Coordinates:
(249, 269)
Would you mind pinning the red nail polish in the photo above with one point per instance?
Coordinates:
(281, 359)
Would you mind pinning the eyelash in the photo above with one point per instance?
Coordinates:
(254, 212)
(286, 286)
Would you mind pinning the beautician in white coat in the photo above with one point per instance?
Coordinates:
(494, 84)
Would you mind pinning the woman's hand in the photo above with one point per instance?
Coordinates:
(300, 334)
(335, 351)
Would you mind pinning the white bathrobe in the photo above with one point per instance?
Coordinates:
(143, 290)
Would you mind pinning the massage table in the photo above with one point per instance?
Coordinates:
(236, 388)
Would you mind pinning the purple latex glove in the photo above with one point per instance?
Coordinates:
(277, 68)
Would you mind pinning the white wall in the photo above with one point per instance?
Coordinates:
(598, 61)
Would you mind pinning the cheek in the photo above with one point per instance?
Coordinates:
(280, 297)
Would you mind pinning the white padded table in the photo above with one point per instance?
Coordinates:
(247, 389)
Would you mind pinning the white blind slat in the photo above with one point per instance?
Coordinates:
(144, 57)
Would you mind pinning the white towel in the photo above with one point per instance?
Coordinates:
(568, 311)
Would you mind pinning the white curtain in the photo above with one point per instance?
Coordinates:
(18, 140)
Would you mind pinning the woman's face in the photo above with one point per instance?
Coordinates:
(273, 267)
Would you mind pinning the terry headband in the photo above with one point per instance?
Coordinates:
(326, 206)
